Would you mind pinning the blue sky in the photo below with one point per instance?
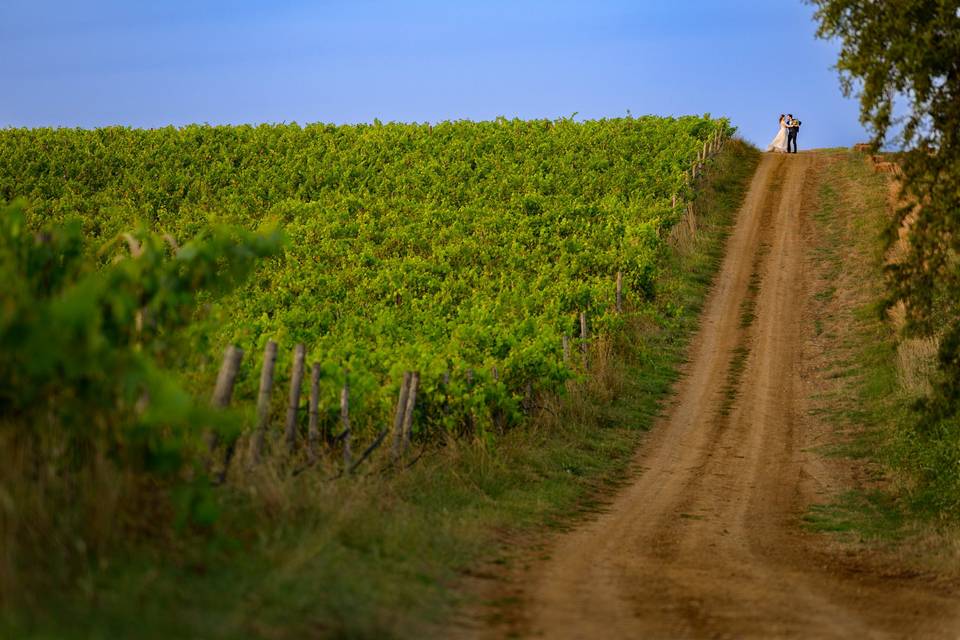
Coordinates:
(149, 64)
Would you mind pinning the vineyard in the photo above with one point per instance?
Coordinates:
(508, 300)
(467, 252)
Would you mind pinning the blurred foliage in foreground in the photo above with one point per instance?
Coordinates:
(82, 334)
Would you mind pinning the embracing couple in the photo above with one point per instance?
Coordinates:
(789, 127)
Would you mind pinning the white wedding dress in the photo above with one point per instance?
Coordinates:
(779, 143)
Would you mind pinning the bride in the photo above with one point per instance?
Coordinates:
(779, 143)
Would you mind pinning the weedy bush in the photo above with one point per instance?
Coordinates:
(89, 419)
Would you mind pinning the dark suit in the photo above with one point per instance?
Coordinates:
(792, 130)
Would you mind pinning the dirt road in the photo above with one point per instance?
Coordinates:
(707, 542)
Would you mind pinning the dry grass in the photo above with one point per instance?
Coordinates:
(916, 363)
(683, 234)
(605, 379)
(870, 406)
(61, 508)
(916, 356)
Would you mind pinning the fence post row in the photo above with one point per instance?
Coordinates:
(403, 416)
(710, 146)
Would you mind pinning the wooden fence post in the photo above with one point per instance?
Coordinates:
(566, 348)
(397, 428)
(408, 413)
(471, 420)
(619, 292)
(226, 377)
(296, 381)
(263, 401)
(446, 392)
(400, 413)
(527, 403)
(313, 430)
(222, 393)
(583, 338)
(345, 422)
(223, 390)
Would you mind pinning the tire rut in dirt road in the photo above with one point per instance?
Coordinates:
(706, 542)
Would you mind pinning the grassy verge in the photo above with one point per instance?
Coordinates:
(381, 556)
(864, 395)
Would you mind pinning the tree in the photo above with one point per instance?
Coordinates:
(903, 59)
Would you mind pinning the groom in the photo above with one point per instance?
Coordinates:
(793, 128)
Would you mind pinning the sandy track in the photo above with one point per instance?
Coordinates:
(706, 541)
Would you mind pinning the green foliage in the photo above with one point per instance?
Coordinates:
(382, 556)
(905, 56)
(455, 247)
(80, 343)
